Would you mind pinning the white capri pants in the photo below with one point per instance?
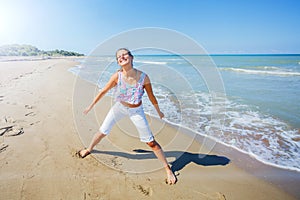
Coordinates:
(136, 115)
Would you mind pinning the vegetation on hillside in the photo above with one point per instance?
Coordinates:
(29, 50)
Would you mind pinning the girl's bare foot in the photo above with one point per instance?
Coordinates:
(83, 153)
(171, 178)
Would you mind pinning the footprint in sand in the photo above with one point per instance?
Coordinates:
(147, 191)
(3, 147)
(115, 162)
(221, 196)
(5, 129)
(30, 114)
(8, 119)
(33, 123)
(9, 128)
(215, 196)
(28, 106)
(14, 131)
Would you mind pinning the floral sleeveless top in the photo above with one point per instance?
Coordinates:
(128, 93)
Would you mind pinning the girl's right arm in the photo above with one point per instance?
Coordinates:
(110, 84)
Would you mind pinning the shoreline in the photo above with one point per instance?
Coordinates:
(261, 161)
(35, 58)
(40, 163)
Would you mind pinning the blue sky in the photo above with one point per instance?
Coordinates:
(220, 26)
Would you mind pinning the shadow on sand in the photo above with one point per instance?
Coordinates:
(182, 158)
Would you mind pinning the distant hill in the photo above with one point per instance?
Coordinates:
(29, 50)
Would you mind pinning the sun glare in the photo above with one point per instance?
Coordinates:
(10, 22)
(3, 20)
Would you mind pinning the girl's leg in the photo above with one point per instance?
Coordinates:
(115, 114)
(157, 150)
(96, 139)
(138, 117)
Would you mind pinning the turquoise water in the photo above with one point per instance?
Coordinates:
(258, 115)
(270, 82)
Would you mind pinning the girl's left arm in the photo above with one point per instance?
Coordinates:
(152, 98)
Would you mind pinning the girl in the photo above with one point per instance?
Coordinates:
(130, 84)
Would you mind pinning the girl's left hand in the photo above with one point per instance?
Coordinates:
(161, 115)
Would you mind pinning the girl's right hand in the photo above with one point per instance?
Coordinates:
(87, 110)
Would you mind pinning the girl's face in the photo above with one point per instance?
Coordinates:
(124, 58)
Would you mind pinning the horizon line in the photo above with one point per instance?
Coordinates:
(215, 54)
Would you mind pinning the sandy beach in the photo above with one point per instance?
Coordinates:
(42, 127)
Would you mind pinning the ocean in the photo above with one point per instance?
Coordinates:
(259, 113)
